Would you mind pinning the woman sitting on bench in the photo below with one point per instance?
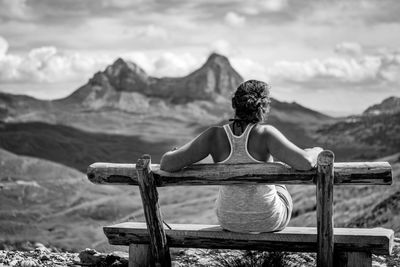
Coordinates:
(248, 139)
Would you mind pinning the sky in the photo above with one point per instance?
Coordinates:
(336, 56)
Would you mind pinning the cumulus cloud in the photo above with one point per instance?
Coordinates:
(346, 70)
(367, 69)
(222, 46)
(48, 65)
(250, 69)
(233, 19)
(173, 65)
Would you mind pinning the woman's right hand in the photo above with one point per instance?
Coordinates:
(313, 154)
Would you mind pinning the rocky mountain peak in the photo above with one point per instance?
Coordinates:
(216, 77)
(217, 59)
(126, 76)
(389, 105)
(121, 65)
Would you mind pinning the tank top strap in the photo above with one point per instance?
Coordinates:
(238, 144)
(245, 134)
(229, 132)
(247, 131)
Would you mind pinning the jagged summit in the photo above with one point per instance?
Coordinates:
(389, 105)
(126, 76)
(120, 65)
(217, 59)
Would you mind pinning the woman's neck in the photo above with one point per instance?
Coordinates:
(238, 126)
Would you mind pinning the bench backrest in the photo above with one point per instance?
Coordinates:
(149, 176)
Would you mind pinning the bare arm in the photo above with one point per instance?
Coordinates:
(192, 152)
(284, 150)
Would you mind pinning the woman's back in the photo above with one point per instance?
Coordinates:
(248, 208)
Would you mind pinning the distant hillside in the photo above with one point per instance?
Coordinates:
(50, 203)
(53, 204)
(75, 148)
(389, 105)
(384, 213)
(354, 206)
(363, 137)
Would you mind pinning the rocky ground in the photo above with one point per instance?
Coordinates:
(36, 254)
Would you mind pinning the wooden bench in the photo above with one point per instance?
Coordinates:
(149, 242)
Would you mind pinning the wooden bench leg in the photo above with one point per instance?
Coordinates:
(139, 255)
(353, 259)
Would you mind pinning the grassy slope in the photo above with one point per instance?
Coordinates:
(51, 203)
(75, 148)
(366, 206)
(363, 137)
(39, 198)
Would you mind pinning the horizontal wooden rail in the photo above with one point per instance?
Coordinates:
(363, 173)
(376, 240)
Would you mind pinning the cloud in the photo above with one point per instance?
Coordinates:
(349, 48)
(120, 3)
(222, 46)
(48, 65)
(13, 9)
(274, 5)
(250, 69)
(173, 65)
(341, 69)
(152, 31)
(3, 47)
(371, 69)
(233, 19)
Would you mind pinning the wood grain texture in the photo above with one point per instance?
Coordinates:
(363, 173)
(148, 191)
(139, 255)
(324, 192)
(353, 259)
(376, 240)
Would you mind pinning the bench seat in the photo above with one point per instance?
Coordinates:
(296, 239)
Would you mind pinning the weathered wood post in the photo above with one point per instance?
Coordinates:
(158, 240)
(139, 255)
(324, 194)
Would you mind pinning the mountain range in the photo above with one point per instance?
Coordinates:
(121, 82)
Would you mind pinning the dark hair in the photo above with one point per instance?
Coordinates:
(251, 101)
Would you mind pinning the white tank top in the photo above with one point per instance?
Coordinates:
(247, 208)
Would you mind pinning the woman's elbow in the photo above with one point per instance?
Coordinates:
(166, 164)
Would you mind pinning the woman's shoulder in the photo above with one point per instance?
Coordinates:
(214, 131)
(264, 129)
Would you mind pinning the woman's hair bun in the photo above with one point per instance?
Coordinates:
(250, 99)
